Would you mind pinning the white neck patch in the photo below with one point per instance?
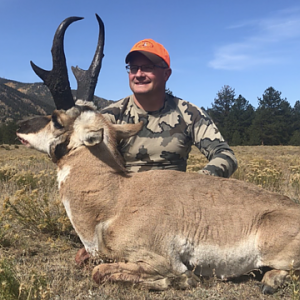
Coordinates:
(62, 175)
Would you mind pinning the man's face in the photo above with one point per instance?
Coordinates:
(144, 82)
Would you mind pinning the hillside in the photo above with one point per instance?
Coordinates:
(18, 100)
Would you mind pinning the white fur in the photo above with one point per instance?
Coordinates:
(91, 104)
(38, 140)
(62, 175)
(82, 127)
(66, 204)
(209, 260)
(90, 246)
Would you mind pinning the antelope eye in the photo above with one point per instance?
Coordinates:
(91, 140)
(56, 124)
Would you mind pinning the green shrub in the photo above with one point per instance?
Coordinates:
(36, 211)
(13, 287)
(9, 285)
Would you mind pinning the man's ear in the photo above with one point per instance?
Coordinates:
(167, 74)
(93, 138)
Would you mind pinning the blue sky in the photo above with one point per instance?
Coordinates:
(248, 45)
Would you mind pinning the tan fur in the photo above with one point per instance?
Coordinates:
(160, 225)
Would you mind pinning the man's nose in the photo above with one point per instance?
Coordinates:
(139, 72)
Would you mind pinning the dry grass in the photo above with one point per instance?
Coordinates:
(38, 245)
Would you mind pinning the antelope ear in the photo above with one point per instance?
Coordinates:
(93, 138)
(124, 131)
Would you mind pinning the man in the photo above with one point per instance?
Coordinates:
(171, 125)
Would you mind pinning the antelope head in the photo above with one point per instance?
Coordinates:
(74, 122)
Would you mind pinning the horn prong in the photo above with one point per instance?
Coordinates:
(87, 79)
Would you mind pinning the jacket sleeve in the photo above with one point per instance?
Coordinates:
(208, 139)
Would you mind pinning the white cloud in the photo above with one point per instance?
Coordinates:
(269, 44)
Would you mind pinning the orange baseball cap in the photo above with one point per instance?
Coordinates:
(152, 50)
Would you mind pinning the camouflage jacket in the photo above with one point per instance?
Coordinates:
(167, 136)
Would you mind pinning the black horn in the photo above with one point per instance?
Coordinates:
(87, 79)
(57, 79)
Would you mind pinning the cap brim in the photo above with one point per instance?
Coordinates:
(152, 57)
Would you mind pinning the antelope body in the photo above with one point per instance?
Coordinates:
(162, 225)
(162, 228)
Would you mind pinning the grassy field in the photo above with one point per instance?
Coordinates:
(38, 244)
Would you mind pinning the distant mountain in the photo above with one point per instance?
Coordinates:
(18, 100)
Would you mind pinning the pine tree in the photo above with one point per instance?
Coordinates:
(272, 122)
(9, 133)
(295, 139)
(221, 108)
(236, 139)
(239, 120)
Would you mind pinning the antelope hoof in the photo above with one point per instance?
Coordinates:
(97, 277)
(82, 257)
(188, 280)
(267, 290)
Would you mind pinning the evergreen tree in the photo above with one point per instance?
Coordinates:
(221, 108)
(296, 116)
(272, 122)
(239, 120)
(236, 139)
(295, 139)
(9, 133)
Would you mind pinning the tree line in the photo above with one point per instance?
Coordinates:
(274, 122)
(8, 133)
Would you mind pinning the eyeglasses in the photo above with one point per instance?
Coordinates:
(133, 69)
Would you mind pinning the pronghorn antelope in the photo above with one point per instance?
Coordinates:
(161, 228)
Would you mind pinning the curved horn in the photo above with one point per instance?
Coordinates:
(57, 79)
(87, 79)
